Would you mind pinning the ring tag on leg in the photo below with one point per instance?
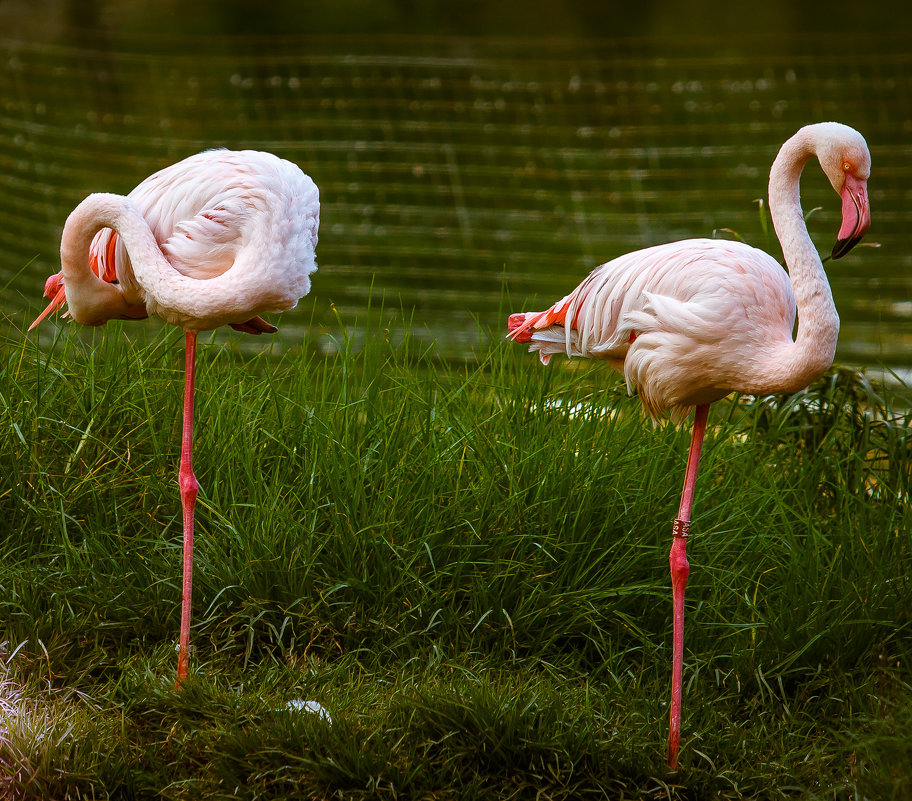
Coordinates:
(681, 528)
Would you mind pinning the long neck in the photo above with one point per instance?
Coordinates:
(818, 323)
(91, 300)
(191, 303)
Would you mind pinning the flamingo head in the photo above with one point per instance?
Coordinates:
(102, 302)
(856, 213)
(53, 289)
(845, 159)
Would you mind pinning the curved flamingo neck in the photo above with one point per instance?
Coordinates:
(181, 300)
(194, 304)
(814, 347)
(91, 300)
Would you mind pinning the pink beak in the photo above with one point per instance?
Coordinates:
(54, 290)
(856, 215)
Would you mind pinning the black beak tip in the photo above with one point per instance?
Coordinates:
(843, 246)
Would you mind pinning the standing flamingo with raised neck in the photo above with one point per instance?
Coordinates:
(689, 322)
(216, 239)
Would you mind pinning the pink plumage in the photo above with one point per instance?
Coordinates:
(689, 322)
(216, 239)
(675, 319)
(234, 234)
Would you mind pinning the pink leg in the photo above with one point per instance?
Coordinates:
(189, 488)
(680, 568)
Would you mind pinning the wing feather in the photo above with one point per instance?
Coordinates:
(681, 300)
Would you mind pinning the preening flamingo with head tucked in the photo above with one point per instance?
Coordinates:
(216, 239)
(689, 322)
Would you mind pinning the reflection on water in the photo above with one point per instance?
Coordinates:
(453, 170)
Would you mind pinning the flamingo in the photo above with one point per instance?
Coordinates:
(689, 322)
(216, 239)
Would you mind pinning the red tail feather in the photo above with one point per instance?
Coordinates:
(520, 326)
(516, 327)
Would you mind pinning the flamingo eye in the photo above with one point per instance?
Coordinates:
(846, 166)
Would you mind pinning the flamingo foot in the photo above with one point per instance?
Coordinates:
(255, 325)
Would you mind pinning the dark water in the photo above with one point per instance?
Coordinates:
(457, 170)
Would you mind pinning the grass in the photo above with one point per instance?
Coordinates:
(465, 564)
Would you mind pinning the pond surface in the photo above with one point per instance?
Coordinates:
(465, 177)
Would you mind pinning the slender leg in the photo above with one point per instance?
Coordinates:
(680, 568)
(189, 488)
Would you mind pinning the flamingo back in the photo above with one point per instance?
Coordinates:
(682, 321)
(247, 212)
